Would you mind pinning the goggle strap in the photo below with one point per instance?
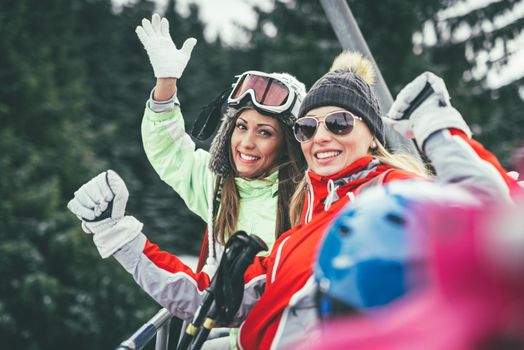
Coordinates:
(210, 116)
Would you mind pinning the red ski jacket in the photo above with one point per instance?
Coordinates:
(278, 306)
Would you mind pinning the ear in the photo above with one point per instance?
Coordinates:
(373, 145)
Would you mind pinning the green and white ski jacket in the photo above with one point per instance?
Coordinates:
(176, 160)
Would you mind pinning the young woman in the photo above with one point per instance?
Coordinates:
(247, 179)
(340, 129)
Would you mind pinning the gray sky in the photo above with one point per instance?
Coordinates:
(220, 17)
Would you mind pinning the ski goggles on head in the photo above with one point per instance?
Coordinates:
(267, 92)
(338, 123)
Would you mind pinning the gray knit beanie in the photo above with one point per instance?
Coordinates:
(220, 147)
(348, 85)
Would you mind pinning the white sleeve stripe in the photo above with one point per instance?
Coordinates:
(277, 260)
(178, 135)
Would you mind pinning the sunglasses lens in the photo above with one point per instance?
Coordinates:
(340, 123)
(305, 129)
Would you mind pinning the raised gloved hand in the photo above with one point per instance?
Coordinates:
(434, 113)
(166, 59)
(100, 204)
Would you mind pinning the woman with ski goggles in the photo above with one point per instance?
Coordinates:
(246, 180)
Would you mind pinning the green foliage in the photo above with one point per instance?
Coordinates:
(495, 113)
(57, 293)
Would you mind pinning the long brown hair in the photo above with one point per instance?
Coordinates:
(290, 168)
(397, 160)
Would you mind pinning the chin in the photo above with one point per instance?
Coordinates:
(327, 171)
(247, 173)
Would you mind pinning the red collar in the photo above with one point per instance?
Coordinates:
(351, 169)
(344, 181)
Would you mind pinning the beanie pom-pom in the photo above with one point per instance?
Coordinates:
(356, 63)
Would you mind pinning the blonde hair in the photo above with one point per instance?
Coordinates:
(400, 160)
(397, 160)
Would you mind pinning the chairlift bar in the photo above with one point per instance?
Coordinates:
(145, 333)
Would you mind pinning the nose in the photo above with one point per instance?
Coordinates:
(248, 141)
(322, 135)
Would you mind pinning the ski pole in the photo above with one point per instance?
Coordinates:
(229, 280)
(193, 327)
(233, 247)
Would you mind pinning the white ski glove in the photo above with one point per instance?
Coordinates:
(435, 113)
(166, 59)
(100, 204)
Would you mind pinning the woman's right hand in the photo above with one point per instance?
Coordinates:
(166, 59)
(434, 113)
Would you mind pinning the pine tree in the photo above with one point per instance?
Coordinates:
(57, 293)
(469, 44)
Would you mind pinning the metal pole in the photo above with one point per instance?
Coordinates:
(162, 337)
(350, 37)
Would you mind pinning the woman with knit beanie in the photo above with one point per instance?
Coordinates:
(247, 179)
(341, 134)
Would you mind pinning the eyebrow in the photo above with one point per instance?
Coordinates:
(260, 124)
(269, 125)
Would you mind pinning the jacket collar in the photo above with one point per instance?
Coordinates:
(254, 188)
(356, 170)
(325, 190)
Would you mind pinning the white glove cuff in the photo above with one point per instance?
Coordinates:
(97, 226)
(109, 241)
(437, 119)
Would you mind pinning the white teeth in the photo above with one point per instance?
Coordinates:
(247, 157)
(323, 155)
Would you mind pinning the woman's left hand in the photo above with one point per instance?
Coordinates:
(100, 204)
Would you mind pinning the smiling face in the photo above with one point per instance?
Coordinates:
(256, 142)
(327, 153)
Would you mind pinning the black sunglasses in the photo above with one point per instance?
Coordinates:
(338, 123)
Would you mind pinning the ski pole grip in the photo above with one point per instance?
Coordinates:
(417, 101)
(257, 243)
(254, 245)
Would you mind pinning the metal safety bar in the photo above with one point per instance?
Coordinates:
(158, 325)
